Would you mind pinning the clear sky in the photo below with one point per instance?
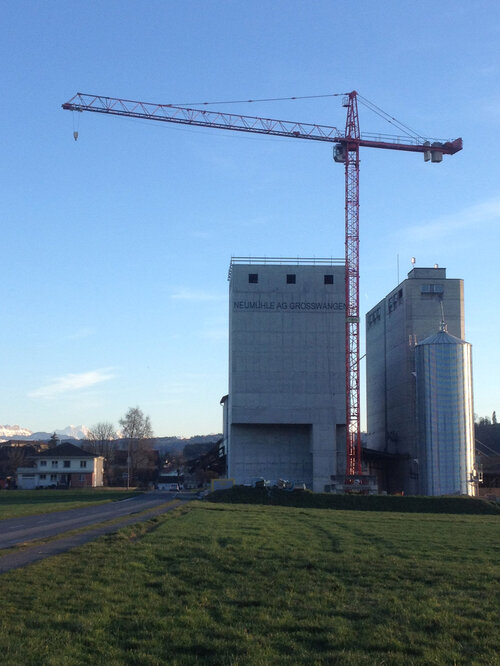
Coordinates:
(116, 247)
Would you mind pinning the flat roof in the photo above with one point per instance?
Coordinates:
(286, 261)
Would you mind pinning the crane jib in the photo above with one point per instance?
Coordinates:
(253, 124)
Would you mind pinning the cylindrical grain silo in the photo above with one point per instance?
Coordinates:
(445, 413)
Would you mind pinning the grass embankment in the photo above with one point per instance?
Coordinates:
(18, 503)
(306, 499)
(245, 584)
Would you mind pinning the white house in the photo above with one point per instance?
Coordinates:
(65, 465)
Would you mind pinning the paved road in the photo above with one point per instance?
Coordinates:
(21, 530)
(34, 553)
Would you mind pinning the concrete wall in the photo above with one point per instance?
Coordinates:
(272, 450)
(286, 368)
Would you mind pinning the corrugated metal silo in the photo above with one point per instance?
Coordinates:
(445, 415)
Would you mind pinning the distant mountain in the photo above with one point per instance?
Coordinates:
(45, 436)
(14, 432)
(17, 432)
(164, 444)
(76, 432)
(79, 432)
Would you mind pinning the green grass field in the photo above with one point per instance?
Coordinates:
(18, 503)
(248, 584)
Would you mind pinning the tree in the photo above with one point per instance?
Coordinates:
(135, 425)
(100, 441)
(136, 429)
(16, 457)
(494, 418)
(100, 438)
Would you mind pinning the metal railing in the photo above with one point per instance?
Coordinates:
(288, 261)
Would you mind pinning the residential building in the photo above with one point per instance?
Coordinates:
(65, 466)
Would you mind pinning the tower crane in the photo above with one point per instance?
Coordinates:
(346, 151)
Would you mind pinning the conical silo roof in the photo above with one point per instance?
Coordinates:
(442, 338)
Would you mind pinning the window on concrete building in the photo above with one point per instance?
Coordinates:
(328, 279)
(395, 300)
(83, 463)
(373, 317)
(54, 463)
(43, 463)
(43, 477)
(67, 463)
(253, 278)
(53, 477)
(432, 289)
(291, 278)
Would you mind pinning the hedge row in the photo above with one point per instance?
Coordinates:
(307, 499)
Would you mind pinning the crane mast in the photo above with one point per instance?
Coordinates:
(352, 389)
(346, 150)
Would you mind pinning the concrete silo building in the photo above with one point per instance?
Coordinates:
(284, 416)
(411, 312)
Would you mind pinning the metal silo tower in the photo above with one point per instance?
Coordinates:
(445, 415)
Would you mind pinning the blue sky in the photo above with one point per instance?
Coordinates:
(116, 247)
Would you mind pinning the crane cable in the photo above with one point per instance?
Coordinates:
(369, 105)
(390, 119)
(268, 99)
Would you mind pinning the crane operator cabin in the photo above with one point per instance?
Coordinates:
(285, 413)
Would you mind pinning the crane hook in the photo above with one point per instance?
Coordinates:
(75, 135)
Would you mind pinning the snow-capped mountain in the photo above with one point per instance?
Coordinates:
(77, 432)
(17, 432)
(13, 432)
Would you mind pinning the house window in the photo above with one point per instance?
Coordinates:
(291, 278)
(53, 477)
(83, 463)
(43, 477)
(82, 477)
(67, 463)
(253, 278)
(54, 463)
(43, 463)
(328, 279)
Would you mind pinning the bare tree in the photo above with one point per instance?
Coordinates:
(135, 425)
(136, 428)
(100, 438)
(16, 457)
(100, 441)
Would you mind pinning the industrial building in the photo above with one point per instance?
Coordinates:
(418, 441)
(284, 416)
